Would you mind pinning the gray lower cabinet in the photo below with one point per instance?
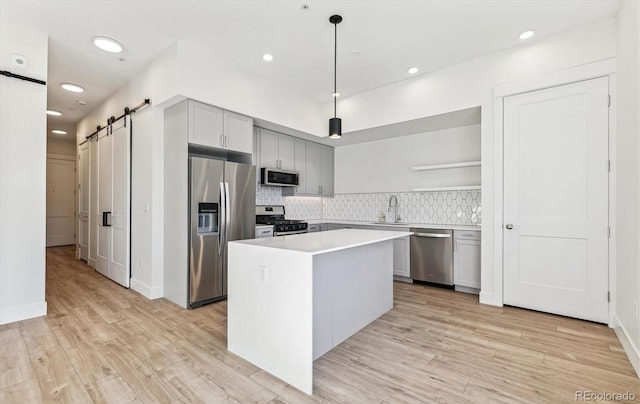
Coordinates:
(466, 260)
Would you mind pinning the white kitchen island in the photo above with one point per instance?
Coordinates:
(293, 298)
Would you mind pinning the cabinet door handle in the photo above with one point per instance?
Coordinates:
(455, 246)
(221, 140)
(226, 141)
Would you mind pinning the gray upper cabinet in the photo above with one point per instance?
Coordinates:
(312, 180)
(300, 165)
(268, 141)
(213, 127)
(315, 163)
(326, 170)
(206, 124)
(276, 150)
(238, 132)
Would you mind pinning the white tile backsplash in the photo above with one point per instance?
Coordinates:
(463, 207)
(295, 207)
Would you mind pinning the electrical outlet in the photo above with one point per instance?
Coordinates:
(262, 274)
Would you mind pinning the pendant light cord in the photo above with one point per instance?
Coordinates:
(335, 69)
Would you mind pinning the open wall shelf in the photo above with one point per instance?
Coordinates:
(459, 188)
(449, 165)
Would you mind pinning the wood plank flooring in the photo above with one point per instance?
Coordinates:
(103, 343)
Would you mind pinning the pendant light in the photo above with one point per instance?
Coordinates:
(335, 123)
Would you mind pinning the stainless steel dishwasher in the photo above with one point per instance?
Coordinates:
(431, 258)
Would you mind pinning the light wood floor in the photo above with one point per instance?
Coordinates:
(103, 343)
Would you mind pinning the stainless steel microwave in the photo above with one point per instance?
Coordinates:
(276, 177)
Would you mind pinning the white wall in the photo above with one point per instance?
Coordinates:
(385, 165)
(61, 144)
(157, 82)
(204, 77)
(23, 155)
(471, 84)
(628, 180)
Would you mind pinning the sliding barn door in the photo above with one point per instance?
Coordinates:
(120, 216)
(104, 149)
(556, 200)
(84, 164)
(112, 214)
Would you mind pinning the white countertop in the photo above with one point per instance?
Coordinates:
(325, 242)
(391, 226)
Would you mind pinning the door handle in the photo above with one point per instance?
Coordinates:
(221, 140)
(228, 212)
(222, 227)
(105, 219)
(432, 235)
(509, 226)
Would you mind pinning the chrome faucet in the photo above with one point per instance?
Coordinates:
(394, 199)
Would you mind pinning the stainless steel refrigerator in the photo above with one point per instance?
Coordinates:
(222, 199)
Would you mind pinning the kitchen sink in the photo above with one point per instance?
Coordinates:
(393, 224)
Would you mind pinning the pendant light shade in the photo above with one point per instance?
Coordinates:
(335, 123)
(335, 128)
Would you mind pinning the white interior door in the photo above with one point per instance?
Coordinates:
(119, 268)
(103, 201)
(555, 200)
(61, 179)
(83, 201)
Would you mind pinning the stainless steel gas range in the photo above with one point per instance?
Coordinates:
(273, 215)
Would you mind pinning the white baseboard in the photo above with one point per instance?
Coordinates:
(489, 298)
(146, 290)
(24, 312)
(632, 351)
(92, 263)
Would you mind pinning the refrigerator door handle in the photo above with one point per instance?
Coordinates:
(228, 212)
(223, 221)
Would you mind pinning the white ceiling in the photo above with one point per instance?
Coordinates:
(391, 35)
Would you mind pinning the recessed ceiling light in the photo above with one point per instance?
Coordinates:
(335, 95)
(267, 57)
(527, 34)
(59, 132)
(107, 44)
(74, 88)
(412, 70)
(53, 112)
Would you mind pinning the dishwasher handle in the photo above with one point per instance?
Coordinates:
(432, 235)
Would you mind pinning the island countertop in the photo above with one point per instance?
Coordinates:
(325, 242)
